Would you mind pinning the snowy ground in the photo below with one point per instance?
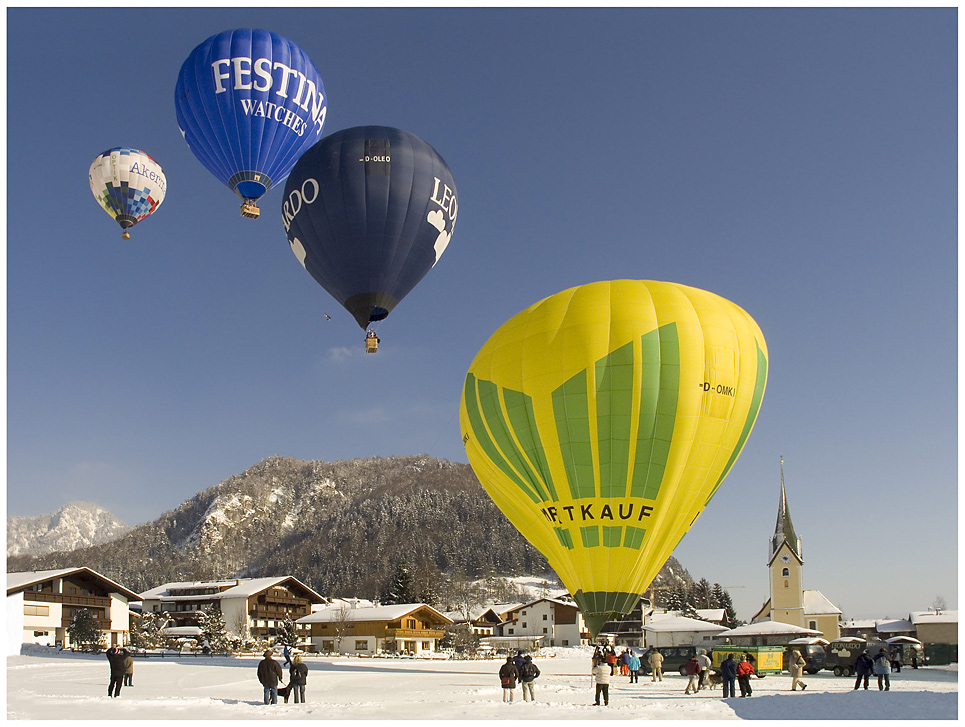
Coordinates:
(49, 685)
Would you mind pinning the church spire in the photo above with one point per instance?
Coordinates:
(784, 530)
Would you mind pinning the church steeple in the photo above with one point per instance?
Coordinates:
(784, 530)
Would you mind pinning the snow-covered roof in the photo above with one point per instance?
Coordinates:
(682, 623)
(902, 640)
(18, 581)
(930, 617)
(806, 640)
(890, 627)
(768, 628)
(816, 603)
(233, 588)
(373, 613)
(711, 614)
(847, 639)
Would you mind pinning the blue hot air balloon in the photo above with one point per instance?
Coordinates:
(368, 211)
(248, 103)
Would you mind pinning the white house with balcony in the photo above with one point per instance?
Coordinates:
(42, 604)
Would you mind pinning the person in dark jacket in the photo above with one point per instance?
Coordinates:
(115, 657)
(728, 674)
(527, 675)
(863, 667)
(518, 660)
(269, 674)
(298, 678)
(507, 677)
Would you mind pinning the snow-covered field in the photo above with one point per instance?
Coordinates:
(44, 684)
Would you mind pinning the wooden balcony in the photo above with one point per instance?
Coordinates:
(69, 600)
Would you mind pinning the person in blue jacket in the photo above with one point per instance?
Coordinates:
(728, 673)
(633, 664)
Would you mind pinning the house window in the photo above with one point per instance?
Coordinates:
(545, 630)
(36, 610)
(566, 642)
(524, 624)
(361, 644)
(813, 625)
(410, 623)
(786, 572)
(786, 585)
(544, 616)
(510, 631)
(426, 646)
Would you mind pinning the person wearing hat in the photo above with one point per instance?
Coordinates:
(863, 666)
(269, 674)
(883, 670)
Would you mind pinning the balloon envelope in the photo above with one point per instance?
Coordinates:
(368, 211)
(128, 184)
(602, 420)
(248, 103)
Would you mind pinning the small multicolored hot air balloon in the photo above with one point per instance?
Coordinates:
(368, 212)
(128, 184)
(248, 103)
(603, 419)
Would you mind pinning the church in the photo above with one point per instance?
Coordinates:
(790, 602)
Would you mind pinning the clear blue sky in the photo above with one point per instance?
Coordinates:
(800, 162)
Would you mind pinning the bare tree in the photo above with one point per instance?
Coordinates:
(342, 624)
(939, 604)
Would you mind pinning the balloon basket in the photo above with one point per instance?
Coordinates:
(371, 345)
(126, 235)
(250, 210)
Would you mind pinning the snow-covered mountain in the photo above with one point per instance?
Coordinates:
(75, 525)
(344, 528)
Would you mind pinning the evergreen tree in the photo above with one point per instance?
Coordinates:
(700, 594)
(289, 632)
(399, 589)
(147, 635)
(84, 631)
(730, 615)
(213, 628)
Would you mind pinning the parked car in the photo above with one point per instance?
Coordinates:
(674, 658)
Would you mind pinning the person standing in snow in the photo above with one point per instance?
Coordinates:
(656, 664)
(128, 668)
(744, 671)
(298, 678)
(116, 660)
(728, 674)
(882, 667)
(508, 673)
(527, 675)
(633, 664)
(692, 670)
(269, 674)
(896, 660)
(705, 664)
(601, 674)
(288, 655)
(863, 667)
(796, 666)
(518, 660)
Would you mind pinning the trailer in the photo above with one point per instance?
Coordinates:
(765, 659)
(842, 653)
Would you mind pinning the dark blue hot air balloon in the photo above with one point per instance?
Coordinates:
(248, 103)
(368, 211)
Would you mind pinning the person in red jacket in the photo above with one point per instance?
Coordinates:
(692, 669)
(744, 672)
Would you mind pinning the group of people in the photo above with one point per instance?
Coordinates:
(880, 665)
(270, 674)
(122, 670)
(519, 668)
(697, 669)
(740, 671)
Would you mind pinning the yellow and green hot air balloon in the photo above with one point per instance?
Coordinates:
(602, 420)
